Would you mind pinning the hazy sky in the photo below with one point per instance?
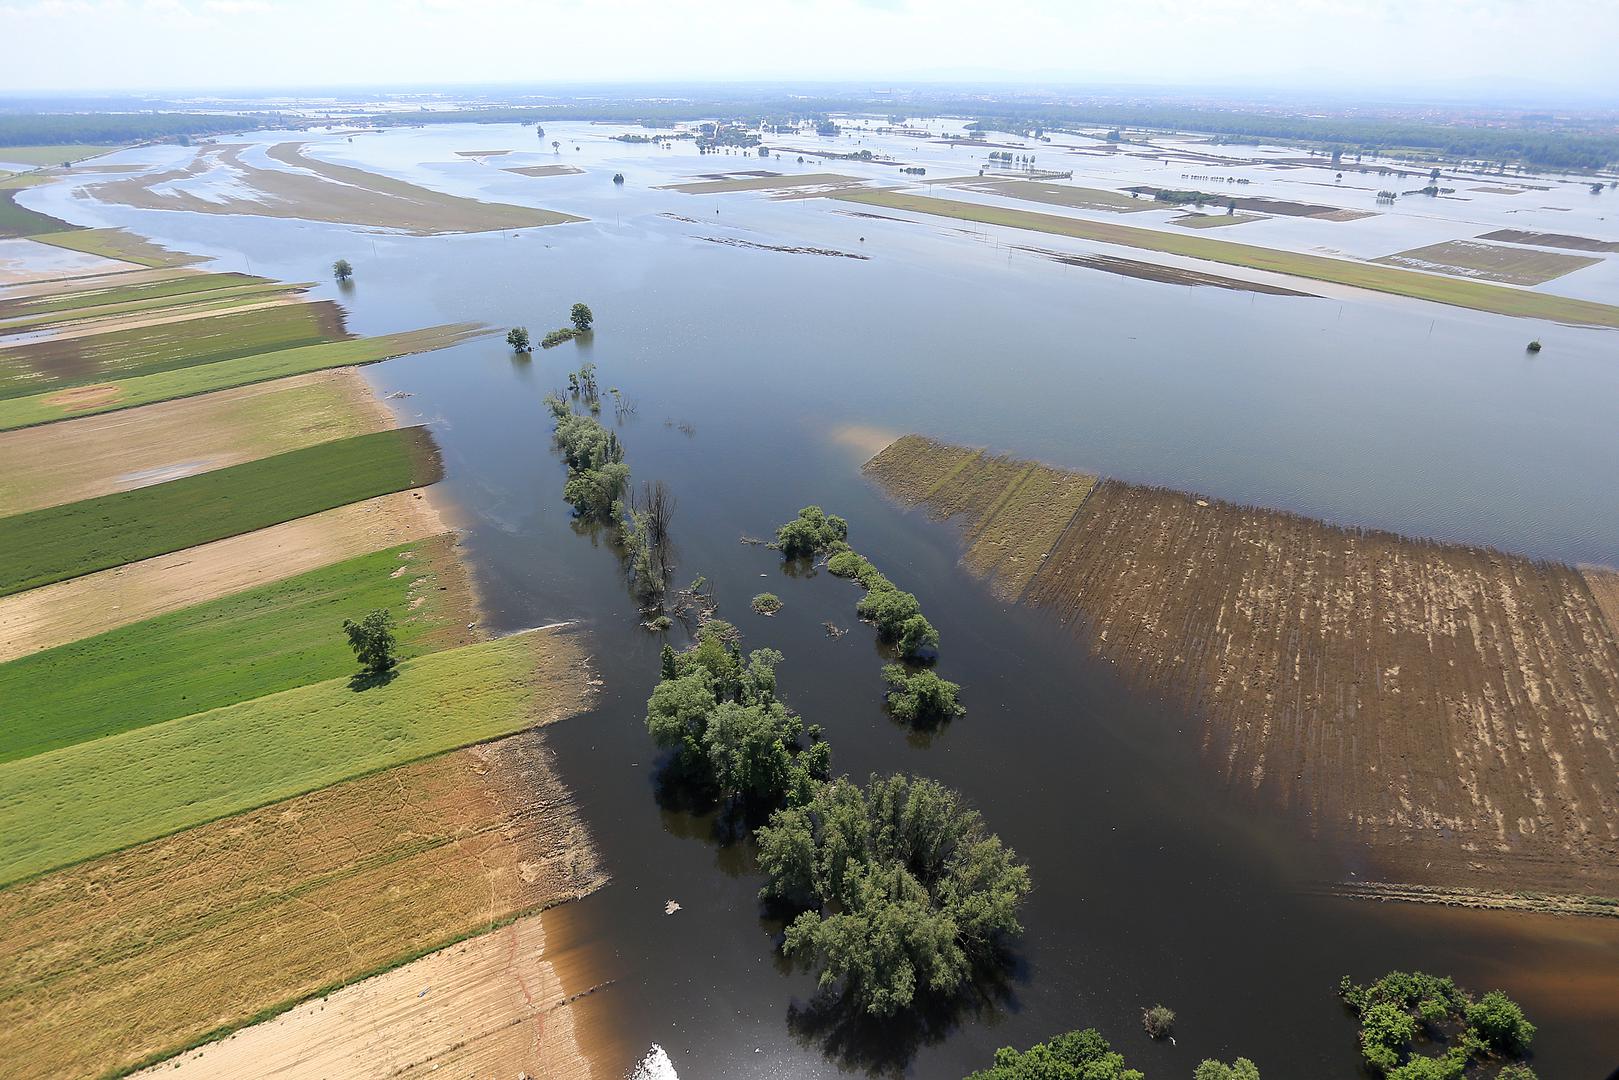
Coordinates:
(1566, 47)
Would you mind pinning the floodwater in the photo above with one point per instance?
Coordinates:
(761, 380)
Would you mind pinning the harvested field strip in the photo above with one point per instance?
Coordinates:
(53, 615)
(1604, 586)
(506, 1004)
(1492, 262)
(1079, 198)
(102, 796)
(1457, 708)
(170, 308)
(545, 170)
(1167, 275)
(111, 290)
(62, 542)
(316, 190)
(1557, 240)
(242, 371)
(34, 367)
(764, 183)
(118, 244)
(1012, 512)
(223, 923)
(272, 638)
(1213, 221)
(1478, 295)
(95, 455)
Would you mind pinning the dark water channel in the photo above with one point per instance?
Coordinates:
(1151, 883)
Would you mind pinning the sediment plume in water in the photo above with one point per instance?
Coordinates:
(1455, 708)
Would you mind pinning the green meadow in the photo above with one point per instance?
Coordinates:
(96, 797)
(204, 378)
(61, 542)
(236, 648)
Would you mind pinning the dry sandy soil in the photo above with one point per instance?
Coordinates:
(318, 191)
(1457, 709)
(1559, 240)
(221, 922)
(92, 604)
(766, 183)
(95, 455)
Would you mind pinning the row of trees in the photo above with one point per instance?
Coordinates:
(580, 315)
(901, 893)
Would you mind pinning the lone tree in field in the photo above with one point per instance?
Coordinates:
(372, 639)
(517, 338)
(582, 317)
(342, 270)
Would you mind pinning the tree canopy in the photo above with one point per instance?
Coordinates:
(1077, 1055)
(906, 890)
(372, 640)
(811, 532)
(1405, 1006)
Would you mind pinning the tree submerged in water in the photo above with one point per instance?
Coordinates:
(1403, 1009)
(342, 270)
(1077, 1055)
(517, 338)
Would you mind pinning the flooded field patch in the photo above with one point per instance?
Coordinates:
(1492, 262)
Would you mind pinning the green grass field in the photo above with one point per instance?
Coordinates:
(239, 647)
(177, 288)
(62, 542)
(96, 797)
(198, 305)
(205, 378)
(51, 155)
(145, 350)
(116, 244)
(1477, 295)
(18, 221)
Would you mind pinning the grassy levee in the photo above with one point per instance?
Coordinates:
(194, 305)
(115, 244)
(98, 797)
(62, 542)
(114, 292)
(1458, 292)
(57, 363)
(244, 646)
(204, 378)
(17, 221)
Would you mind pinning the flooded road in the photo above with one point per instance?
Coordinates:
(761, 380)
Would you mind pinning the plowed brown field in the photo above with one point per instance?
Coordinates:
(107, 964)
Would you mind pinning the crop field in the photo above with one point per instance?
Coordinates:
(1457, 709)
(765, 183)
(501, 1005)
(318, 191)
(1011, 511)
(1079, 198)
(247, 645)
(1557, 240)
(118, 244)
(51, 155)
(53, 615)
(1460, 292)
(226, 922)
(145, 350)
(1213, 221)
(98, 797)
(90, 317)
(95, 455)
(1491, 262)
(60, 542)
(243, 371)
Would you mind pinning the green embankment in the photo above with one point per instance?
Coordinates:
(146, 350)
(96, 797)
(17, 221)
(78, 538)
(53, 155)
(1459, 292)
(204, 378)
(239, 647)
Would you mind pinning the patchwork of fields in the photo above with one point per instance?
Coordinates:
(1455, 709)
(207, 815)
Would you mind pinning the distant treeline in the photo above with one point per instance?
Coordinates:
(1530, 141)
(60, 129)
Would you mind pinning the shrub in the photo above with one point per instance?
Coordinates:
(917, 638)
(767, 603)
(1077, 1055)
(848, 564)
(554, 338)
(921, 697)
(1158, 1021)
(811, 532)
(888, 609)
(1500, 1023)
(1241, 1069)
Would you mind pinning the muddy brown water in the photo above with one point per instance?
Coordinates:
(1152, 882)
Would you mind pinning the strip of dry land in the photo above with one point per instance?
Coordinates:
(1491, 262)
(316, 190)
(1557, 240)
(1460, 292)
(829, 181)
(1454, 708)
(220, 924)
(95, 455)
(69, 610)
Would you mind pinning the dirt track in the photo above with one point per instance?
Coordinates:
(69, 610)
(1455, 708)
(222, 921)
(95, 455)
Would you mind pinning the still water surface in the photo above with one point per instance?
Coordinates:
(1151, 883)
